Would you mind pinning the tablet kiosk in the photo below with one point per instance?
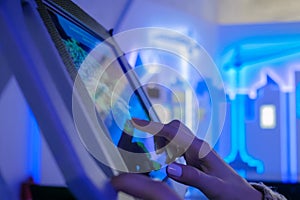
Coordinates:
(103, 80)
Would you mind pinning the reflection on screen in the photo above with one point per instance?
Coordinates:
(108, 95)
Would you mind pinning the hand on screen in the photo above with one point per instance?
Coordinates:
(205, 170)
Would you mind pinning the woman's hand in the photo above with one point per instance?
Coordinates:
(205, 170)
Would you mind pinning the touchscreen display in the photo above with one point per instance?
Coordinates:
(112, 108)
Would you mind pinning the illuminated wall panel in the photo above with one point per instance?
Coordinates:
(263, 132)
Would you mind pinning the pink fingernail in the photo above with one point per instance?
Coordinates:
(174, 170)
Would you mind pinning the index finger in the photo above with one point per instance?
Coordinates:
(195, 149)
(168, 131)
(177, 133)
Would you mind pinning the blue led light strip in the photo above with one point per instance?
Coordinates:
(234, 136)
(34, 148)
(238, 134)
(291, 121)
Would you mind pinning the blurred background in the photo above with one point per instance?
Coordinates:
(255, 44)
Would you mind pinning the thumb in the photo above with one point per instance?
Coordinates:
(192, 176)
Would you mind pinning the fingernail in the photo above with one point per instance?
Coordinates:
(174, 170)
(140, 122)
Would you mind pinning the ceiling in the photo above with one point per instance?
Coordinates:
(109, 13)
(258, 11)
(239, 11)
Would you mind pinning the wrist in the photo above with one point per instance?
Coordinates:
(267, 192)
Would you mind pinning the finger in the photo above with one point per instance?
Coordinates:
(178, 134)
(160, 142)
(143, 187)
(211, 186)
(167, 131)
(148, 126)
(175, 131)
(198, 153)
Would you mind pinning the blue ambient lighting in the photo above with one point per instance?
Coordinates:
(34, 148)
(245, 66)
